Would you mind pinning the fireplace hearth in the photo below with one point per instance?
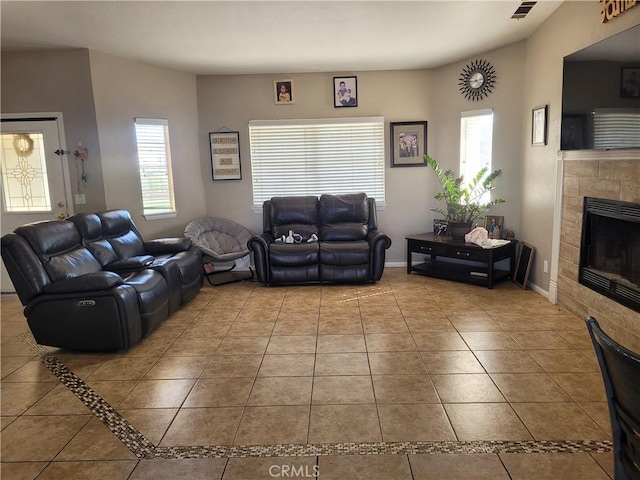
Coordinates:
(610, 250)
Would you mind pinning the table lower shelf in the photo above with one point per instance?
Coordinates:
(458, 272)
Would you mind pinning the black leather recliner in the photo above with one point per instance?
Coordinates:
(336, 239)
(72, 301)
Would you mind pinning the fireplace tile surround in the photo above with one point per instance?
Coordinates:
(616, 178)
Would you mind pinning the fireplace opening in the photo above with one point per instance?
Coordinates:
(610, 250)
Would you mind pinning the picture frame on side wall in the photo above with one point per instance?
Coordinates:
(225, 156)
(408, 144)
(630, 82)
(345, 92)
(539, 126)
(283, 91)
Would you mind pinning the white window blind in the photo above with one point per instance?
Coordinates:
(476, 144)
(154, 162)
(616, 128)
(312, 157)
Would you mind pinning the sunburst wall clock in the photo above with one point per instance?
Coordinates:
(477, 80)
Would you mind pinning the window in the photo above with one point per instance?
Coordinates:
(312, 157)
(476, 139)
(154, 162)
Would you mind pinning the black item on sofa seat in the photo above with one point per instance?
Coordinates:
(620, 369)
(338, 240)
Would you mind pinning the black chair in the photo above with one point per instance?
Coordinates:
(621, 373)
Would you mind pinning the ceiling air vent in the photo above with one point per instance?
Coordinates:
(523, 10)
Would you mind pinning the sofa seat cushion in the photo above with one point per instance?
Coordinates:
(344, 253)
(293, 254)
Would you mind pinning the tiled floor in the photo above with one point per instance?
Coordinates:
(410, 378)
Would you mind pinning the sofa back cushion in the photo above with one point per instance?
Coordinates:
(343, 217)
(90, 228)
(57, 245)
(120, 231)
(299, 214)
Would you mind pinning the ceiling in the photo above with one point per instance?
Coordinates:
(239, 37)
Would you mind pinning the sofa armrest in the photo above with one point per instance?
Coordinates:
(259, 245)
(378, 243)
(167, 245)
(85, 283)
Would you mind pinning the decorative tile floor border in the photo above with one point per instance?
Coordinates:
(141, 447)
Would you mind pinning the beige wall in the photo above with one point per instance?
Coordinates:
(124, 90)
(59, 81)
(573, 26)
(231, 101)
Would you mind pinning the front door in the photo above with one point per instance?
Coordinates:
(34, 178)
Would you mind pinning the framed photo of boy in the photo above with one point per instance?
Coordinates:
(630, 82)
(283, 90)
(345, 92)
(408, 144)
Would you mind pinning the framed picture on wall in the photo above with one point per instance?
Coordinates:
(345, 92)
(539, 126)
(225, 156)
(283, 90)
(630, 82)
(408, 144)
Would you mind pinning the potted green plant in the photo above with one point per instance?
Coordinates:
(464, 204)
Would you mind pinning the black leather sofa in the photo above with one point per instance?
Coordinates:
(92, 283)
(349, 248)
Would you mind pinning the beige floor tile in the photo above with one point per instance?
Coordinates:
(59, 401)
(466, 388)
(579, 339)
(170, 368)
(123, 369)
(112, 391)
(541, 340)
(95, 442)
(439, 341)
(243, 346)
(297, 326)
(200, 328)
(248, 328)
(113, 470)
(396, 363)
(404, 389)
(150, 346)
(273, 425)
(15, 347)
(552, 466)
(385, 325)
(232, 366)
(345, 343)
(342, 389)
(270, 468)
(507, 361)
(430, 324)
(292, 344)
(457, 467)
(294, 365)
(219, 392)
(517, 323)
(563, 361)
(150, 422)
(559, 421)
(21, 470)
(172, 469)
(17, 398)
(605, 460)
(344, 423)
(203, 426)
(194, 347)
(529, 387)
(414, 423)
(158, 394)
(451, 362)
(599, 411)
(9, 365)
(5, 421)
(32, 371)
(341, 364)
(490, 341)
(474, 323)
(390, 342)
(281, 391)
(586, 387)
(486, 421)
(340, 326)
(364, 467)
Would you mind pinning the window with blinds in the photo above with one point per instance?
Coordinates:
(476, 144)
(312, 157)
(616, 128)
(154, 163)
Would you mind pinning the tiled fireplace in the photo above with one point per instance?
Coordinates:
(602, 175)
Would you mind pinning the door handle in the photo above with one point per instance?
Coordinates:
(62, 216)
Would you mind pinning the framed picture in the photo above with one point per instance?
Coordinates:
(408, 144)
(523, 265)
(494, 225)
(440, 226)
(225, 155)
(539, 126)
(283, 90)
(572, 132)
(345, 92)
(630, 82)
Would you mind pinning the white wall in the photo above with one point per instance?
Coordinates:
(123, 90)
